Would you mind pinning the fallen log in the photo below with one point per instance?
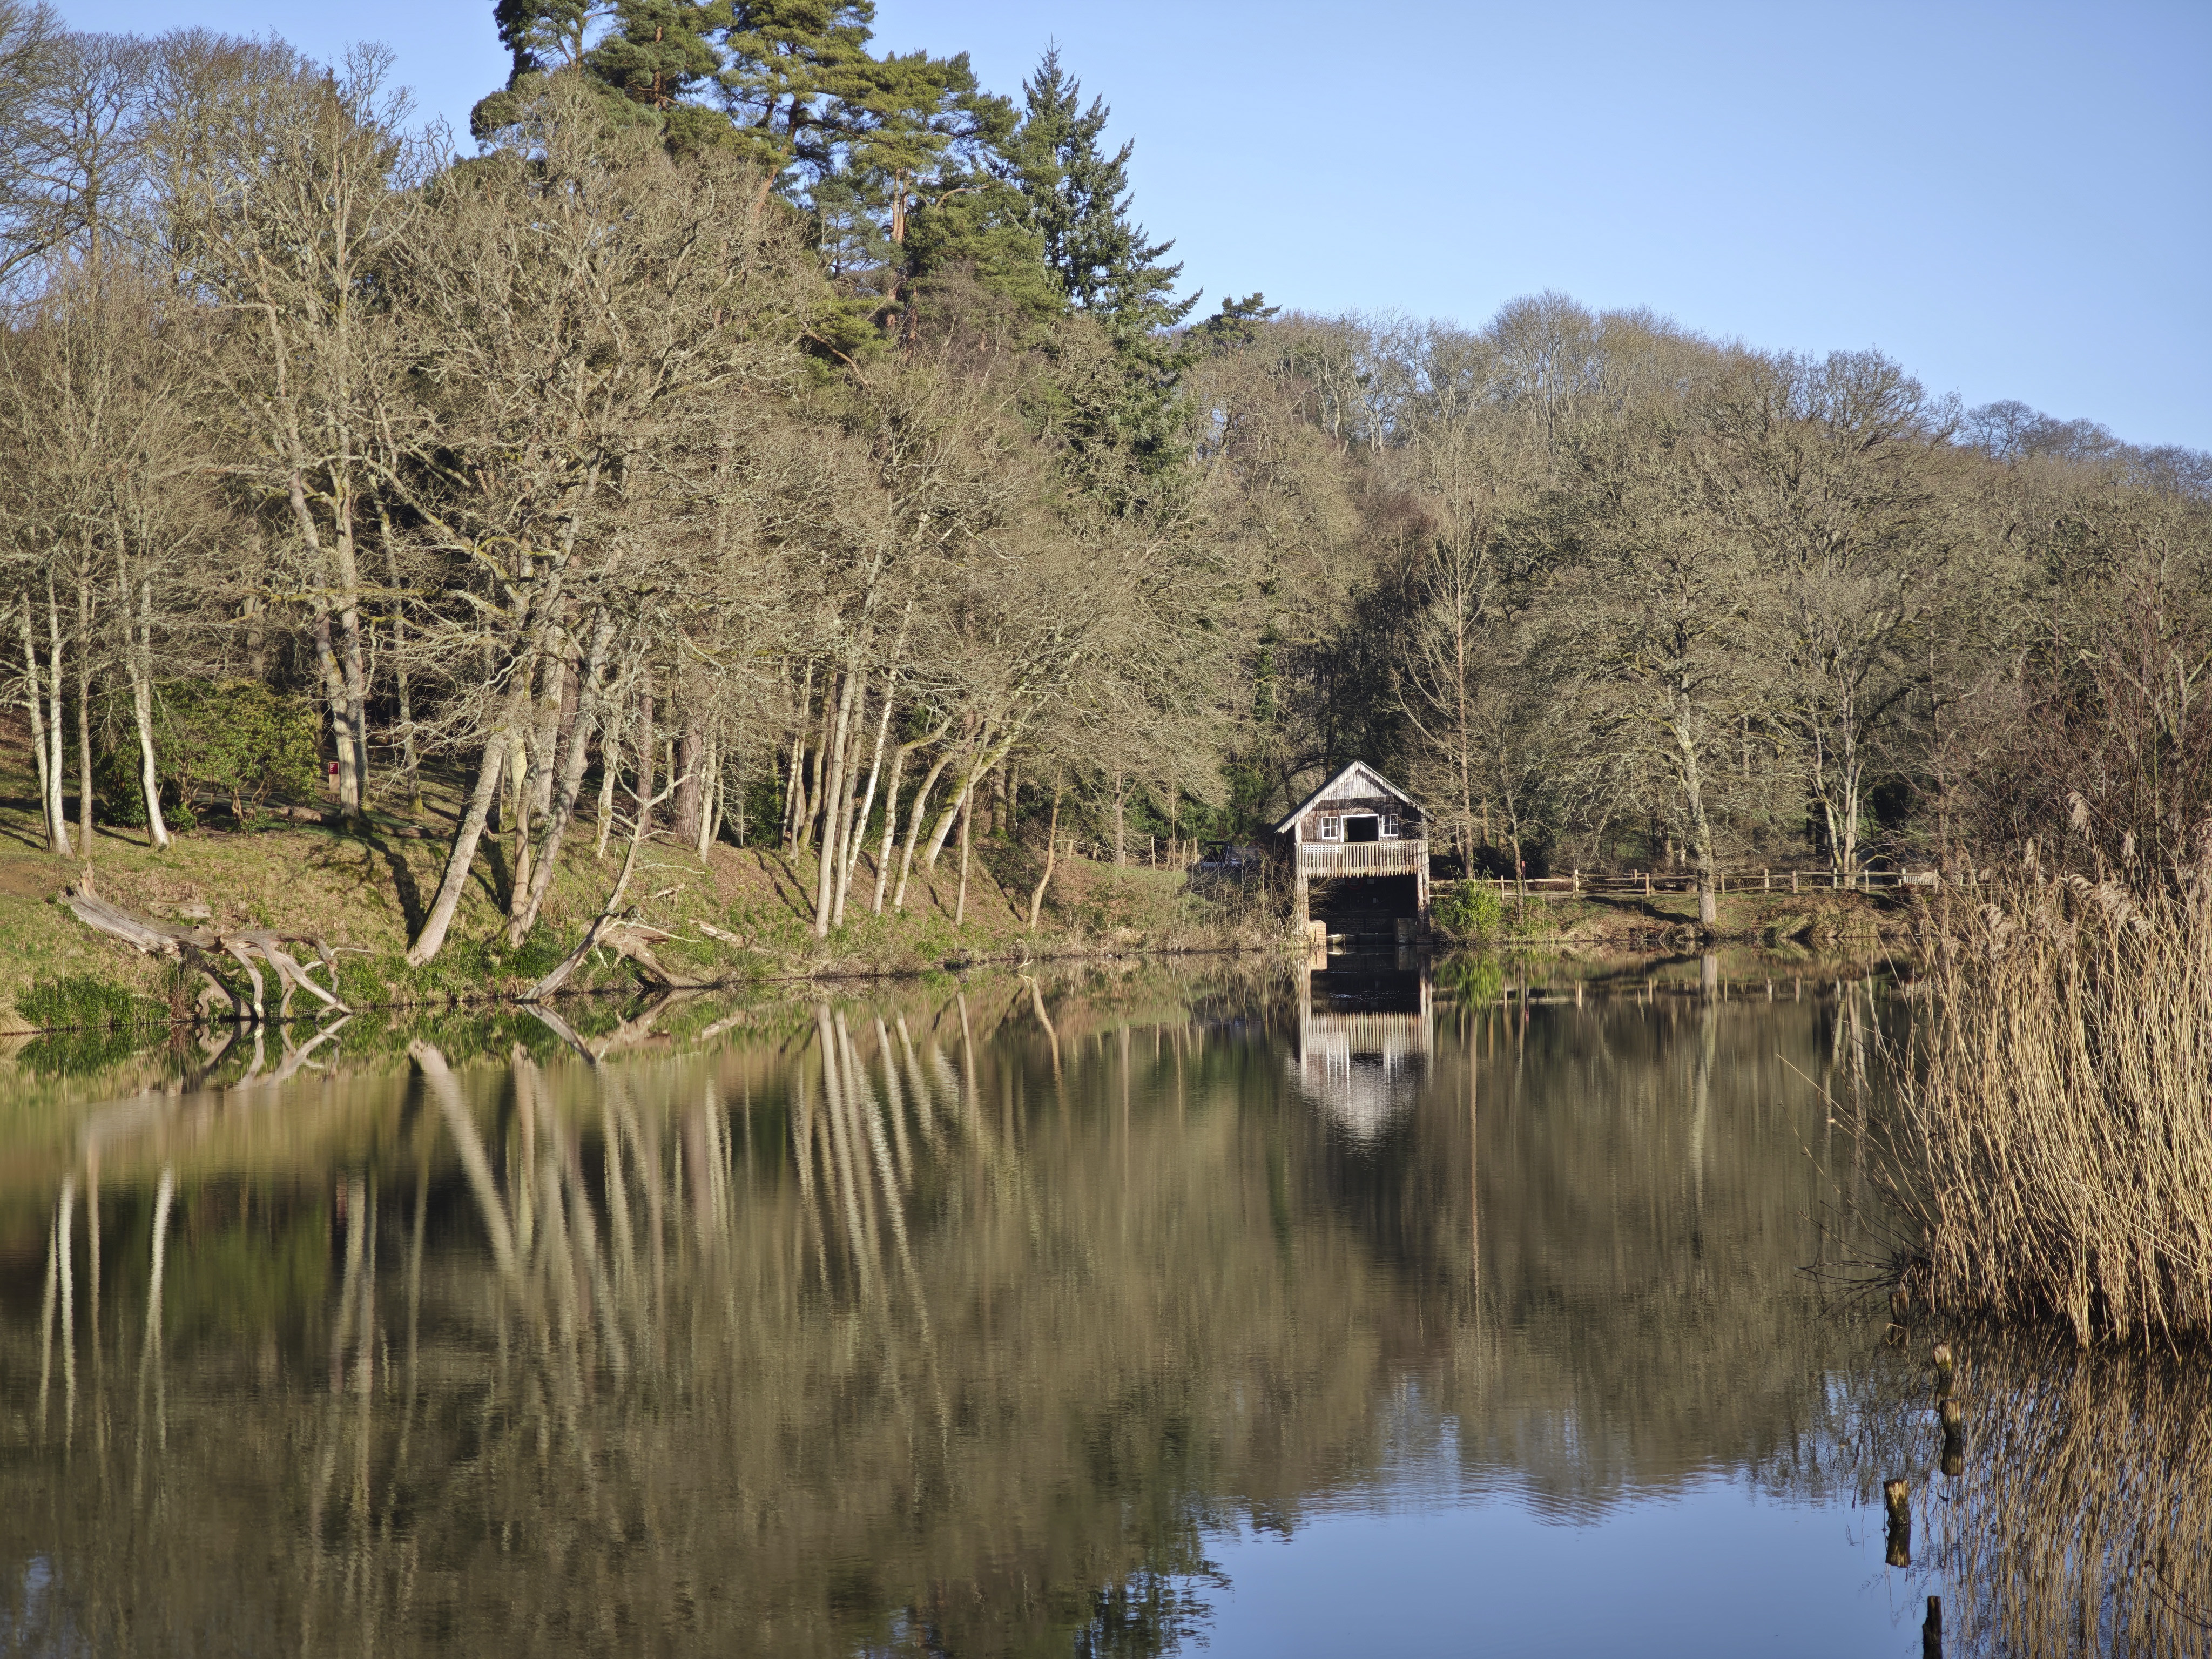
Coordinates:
(198, 947)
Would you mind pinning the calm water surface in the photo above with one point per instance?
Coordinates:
(1327, 1315)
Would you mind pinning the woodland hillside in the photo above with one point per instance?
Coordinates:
(747, 437)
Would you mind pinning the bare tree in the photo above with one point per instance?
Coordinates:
(283, 190)
(106, 481)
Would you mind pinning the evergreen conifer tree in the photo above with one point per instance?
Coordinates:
(659, 52)
(1236, 323)
(1078, 203)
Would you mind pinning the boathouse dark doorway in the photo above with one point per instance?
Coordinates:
(1365, 907)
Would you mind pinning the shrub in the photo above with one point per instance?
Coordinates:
(1470, 912)
(234, 739)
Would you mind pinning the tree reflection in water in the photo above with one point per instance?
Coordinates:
(959, 1325)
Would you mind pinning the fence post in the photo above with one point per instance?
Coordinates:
(1579, 881)
(1793, 881)
(1647, 884)
(1766, 881)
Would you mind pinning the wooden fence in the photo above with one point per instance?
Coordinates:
(1648, 883)
(1405, 857)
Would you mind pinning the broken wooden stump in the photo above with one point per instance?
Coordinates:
(1896, 1498)
(198, 947)
(624, 935)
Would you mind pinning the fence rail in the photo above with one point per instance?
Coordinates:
(1649, 882)
(1406, 858)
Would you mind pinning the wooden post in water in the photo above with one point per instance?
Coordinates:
(1896, 1498)
(1931, 1630)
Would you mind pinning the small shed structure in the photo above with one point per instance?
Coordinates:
(1358, 824)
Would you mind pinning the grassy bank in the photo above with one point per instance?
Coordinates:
(738, 914)
(364, 890)
(1854, 922)
(2055, 1153)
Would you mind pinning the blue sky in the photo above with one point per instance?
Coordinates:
(2014, 200)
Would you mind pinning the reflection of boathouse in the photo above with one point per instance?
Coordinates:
(1366, 1039)
(1359, 857)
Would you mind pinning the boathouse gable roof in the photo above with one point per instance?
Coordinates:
(1356, 782)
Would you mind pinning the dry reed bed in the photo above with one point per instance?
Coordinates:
(2055, 1152)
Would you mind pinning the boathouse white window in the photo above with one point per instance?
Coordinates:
(1390, 826)
(1328, 826)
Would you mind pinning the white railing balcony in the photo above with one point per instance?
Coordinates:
(1364, 858)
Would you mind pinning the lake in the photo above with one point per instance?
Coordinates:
(1129, 1313)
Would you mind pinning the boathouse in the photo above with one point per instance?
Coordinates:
(1359, 853)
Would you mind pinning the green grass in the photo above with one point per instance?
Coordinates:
(86, 1002)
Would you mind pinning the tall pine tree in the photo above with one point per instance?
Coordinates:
(1078, 199)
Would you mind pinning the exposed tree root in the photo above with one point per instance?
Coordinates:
(197, 947)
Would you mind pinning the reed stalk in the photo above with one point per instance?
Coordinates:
(2055, 1155)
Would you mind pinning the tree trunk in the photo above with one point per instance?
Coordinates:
(914, 827)
(334, 702)
(991, 756)
(528, 899)
(1690, 775)
(409, 764)
(838, 825)
(858, 838)
(689, 807)
(890, 825)
(641, 786)
(57, 833)
(546, 753)
(817, 767)
(149, 775)
(794, 793)
(710, 797)
(57, 723)
(353, 678)
(138, 663)
(469, 831)
(1051, 851)
(1120, 821)
(825, 879)
(960, 905)
(84, 795)
(609, 764)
